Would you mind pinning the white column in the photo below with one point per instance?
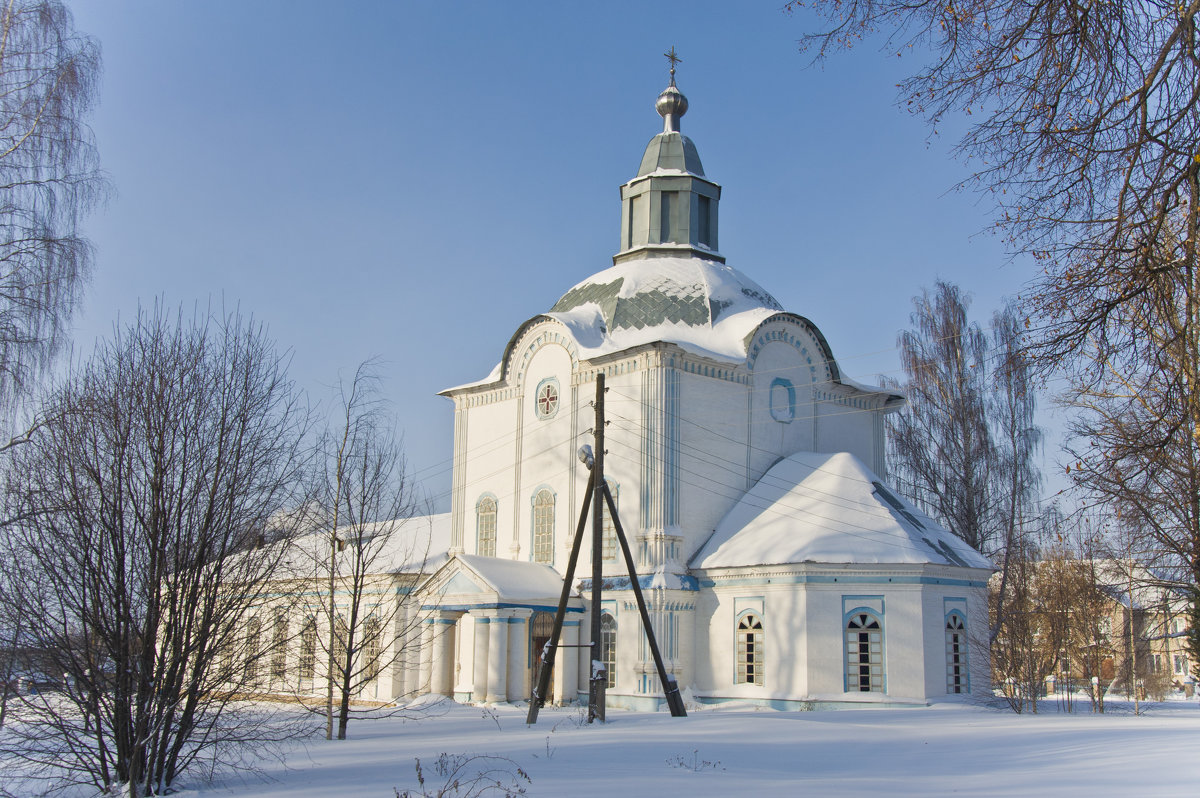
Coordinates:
(398, 671)
(479, 672)
(408, 640)
(464, 647)
(518, 655)
(443, 655)
(497, 667)
(566, 669)
(426, 656)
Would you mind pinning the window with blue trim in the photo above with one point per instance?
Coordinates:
(956, 654)
(250, 664)
(308, 649)
(782, 400)
(864, 654)
(279, 640)
(608, 647)
(543, 526)
(372, 648)
(485, 525)
(750, 654)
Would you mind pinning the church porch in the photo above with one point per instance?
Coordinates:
(487, 620)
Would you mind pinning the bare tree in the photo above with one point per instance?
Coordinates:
(141, 513)
(372, 539)
(965, 447)
(1016, 439)
(1135, 430)
(1085, 130)
(49, 178)
(1052, 620)
(1191, 641)
(1020, 660)
(1083, 124)
(12, 634)
(941, 449)
(1091, 642)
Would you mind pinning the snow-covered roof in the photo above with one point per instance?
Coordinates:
(829, 508)
(514, 578)
(1150, 589)
(493, 579)
(701, 305)
(417, 544)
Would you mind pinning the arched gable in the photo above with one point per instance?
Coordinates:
(531, 336)
(800, 333)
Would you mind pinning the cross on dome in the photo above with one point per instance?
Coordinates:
(674, 58)
(671, 103)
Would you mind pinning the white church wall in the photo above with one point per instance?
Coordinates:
(489, 471)
(622, 463)
(547, 453)
(823, 622)
(977, 635)
(844, 427)
(906, 643)
(779, 604)
(712, 446)
(781, 417)
(707, 631)
(938, 603)
(786, 672)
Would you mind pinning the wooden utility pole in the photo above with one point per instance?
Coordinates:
(595, 498)
(598, 681)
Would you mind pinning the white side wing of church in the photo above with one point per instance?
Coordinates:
(749, 475)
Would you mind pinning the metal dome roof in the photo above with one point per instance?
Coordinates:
(700, 304)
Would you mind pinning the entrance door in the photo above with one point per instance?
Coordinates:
(540, 628)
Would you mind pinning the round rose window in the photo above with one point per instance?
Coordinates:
(547, 399)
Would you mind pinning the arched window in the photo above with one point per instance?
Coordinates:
(750, 659)
(608, 647)
(543, 526)
(279, 641)
(371, 648)
(485, 524)
(609, 539)
(341, 636)
(308, 649)
(252, 652)
(956, 654)
(864, 654)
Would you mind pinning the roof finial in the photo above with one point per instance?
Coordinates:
(671, 103)
(674, 58)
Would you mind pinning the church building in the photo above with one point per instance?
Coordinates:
(778, 566)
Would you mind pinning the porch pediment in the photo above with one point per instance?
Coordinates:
(468, 582)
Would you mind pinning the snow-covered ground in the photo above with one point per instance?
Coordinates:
(727, 751)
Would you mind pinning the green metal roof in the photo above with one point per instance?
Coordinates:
(665, 296)
(671, 151)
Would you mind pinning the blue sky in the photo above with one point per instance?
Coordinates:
(411, 181)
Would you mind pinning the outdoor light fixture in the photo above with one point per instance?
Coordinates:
(586, 457)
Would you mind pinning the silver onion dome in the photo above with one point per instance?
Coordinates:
(671, 105)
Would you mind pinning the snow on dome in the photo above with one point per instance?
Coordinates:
(829, 508)
(701, 305)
